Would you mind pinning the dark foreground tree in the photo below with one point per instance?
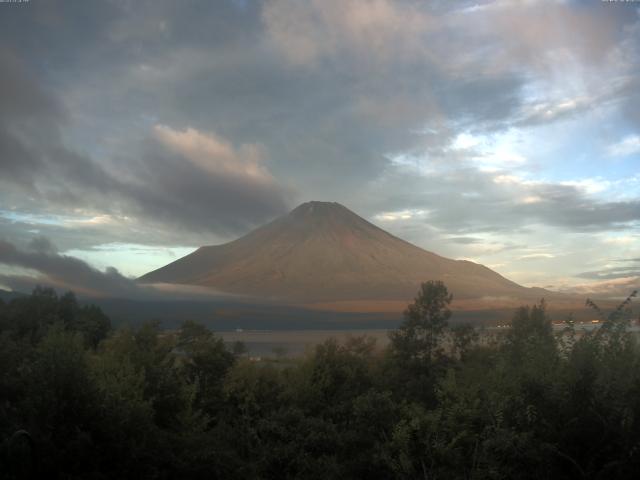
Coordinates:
(416, 352)
(418, 338)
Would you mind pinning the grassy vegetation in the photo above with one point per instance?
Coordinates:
(79, 399)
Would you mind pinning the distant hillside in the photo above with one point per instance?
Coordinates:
(322, 252)
(7, 295)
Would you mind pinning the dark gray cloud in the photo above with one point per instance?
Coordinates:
(214, 67)
(28, 118)
(611, 273)
(42, 245)
(41, 264)
(616, 272)
(41, 174)
(61, 271)
(325, 109)
(168, 188)
(466, 200)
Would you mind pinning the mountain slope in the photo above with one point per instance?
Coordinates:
(323, 251)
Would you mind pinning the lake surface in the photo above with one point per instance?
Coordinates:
(294, 343)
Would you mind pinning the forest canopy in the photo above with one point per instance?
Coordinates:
(80, 399)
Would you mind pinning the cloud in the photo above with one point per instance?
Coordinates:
(213, 154)
(545, 111)
(464, 240)
(629, 145)
(464, 200)
(611, 273)
(28, 118)
(589, 185)
(62, 272)
(372, 31)
(536, 256)
(41, 264)
(616, 287)
(181, 178)
(202, 182)
(387, 68)
(42, 245)
(622, 239)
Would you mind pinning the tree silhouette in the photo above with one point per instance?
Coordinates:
(424, 323)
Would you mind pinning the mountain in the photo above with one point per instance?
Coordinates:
(323, 252)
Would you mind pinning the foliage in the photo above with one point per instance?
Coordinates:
(81, 400)
(417, 356)
(425, 320)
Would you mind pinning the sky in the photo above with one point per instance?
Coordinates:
(503, 132)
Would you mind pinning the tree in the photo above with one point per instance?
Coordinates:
(464, 336)
(93, 324)
(239, 348)
(417, 359)
(531, 335)
(206, 361)
(60, 403)
(424, 323)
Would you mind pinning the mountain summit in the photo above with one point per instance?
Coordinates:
(322, 252)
